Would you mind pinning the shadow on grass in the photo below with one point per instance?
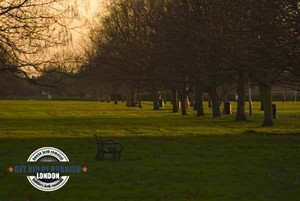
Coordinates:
(191, 167)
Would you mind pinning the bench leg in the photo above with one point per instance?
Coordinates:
(115, 156)
(118, 156)
(97, 155)
(101, 156)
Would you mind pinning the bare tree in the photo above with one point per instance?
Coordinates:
(201, 46)
(30, 30)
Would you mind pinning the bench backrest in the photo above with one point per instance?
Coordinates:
(110, 142)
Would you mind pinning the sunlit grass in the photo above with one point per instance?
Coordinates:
(81, 119)
(166, 156)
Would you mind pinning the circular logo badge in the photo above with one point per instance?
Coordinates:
(48, 179)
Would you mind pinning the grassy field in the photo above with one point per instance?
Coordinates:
(166, 156)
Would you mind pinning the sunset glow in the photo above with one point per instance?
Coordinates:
(87, 10)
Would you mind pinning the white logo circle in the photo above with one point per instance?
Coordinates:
(48, 180)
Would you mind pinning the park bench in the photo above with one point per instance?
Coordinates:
(108, 146)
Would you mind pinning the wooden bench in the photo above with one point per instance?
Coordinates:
(108, 146)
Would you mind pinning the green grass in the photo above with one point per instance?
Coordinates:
(166, 157)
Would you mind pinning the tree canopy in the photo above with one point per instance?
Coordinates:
(199, 45)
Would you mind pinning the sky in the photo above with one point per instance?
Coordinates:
(89, 7)
(87, 10)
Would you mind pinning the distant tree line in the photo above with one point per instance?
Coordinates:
(191, 47)
(187, 48)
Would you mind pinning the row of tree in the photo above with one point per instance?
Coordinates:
(195, 47)
(188, 47)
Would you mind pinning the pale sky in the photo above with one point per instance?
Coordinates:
(87, 11)
(89, 7)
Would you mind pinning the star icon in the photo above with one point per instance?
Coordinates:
(84, 169)
(11, 169)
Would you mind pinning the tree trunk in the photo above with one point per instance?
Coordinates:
(196, 102)
(199, 103)
(268, 113)
(115, 99)
(183, 104)
(133, 98)
(187, 102)
(192, 100)
(216, 109)
(215, 102)
(262, 108)
(128, 100)
(174, 100)
(101, 97)
(155, 98)
(140, 100)
(241, 85)
(184, 97)
(209, 102)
